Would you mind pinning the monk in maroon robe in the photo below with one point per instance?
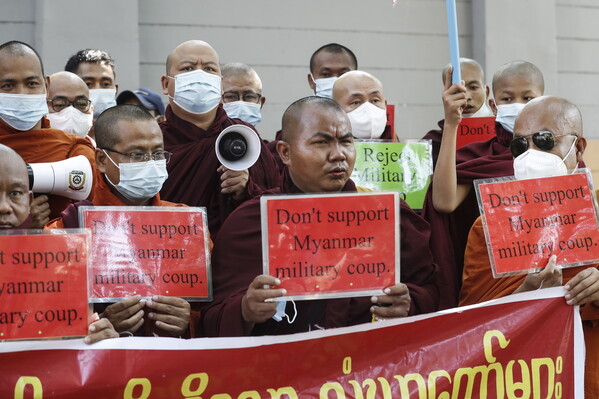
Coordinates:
(317, 149)
(194, 119)
(451, 206)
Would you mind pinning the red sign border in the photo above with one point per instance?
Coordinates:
(39, 232)
(489, 246)
(337, 294)
(189, 209)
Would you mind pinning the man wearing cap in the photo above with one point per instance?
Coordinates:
(145, 98)
(194, 119)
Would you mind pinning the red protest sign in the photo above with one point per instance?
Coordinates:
(527, 221)
(475, 129)
(332, 245)
(462, 353)
(148, 251)
(43, 285)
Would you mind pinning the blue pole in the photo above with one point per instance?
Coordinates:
(454, 44)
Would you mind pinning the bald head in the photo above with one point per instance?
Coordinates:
(187, 53)
(355, 88)
(14, 189)
(16, 48)
(551, 113)
(519, 69)
(239, 69)
(466, 63)
(302, 110)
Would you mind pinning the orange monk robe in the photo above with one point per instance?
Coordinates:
(478, 285)
(103, 196)
(48, 145)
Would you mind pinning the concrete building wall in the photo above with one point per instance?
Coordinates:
(405, 46)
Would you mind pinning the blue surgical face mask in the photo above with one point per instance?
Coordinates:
(22, 111)
(247, 112)
(102, 99)
(140, 180)
(506, 115)
(324, 86)
(197, 92)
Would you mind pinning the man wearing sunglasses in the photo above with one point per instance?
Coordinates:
(132, 168)
(548, 141)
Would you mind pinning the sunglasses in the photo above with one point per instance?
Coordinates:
(544, 140)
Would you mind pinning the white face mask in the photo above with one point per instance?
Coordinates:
(71, 120)
(197, 92)
(534, 164)
(367, 121)
(482, 112)
(506, 115)
(22, 111)
(247, 112)
(324, 86)
(140, 180)
(102, 99)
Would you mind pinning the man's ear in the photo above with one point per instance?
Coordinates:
(311, 82)
(262, 101)
(487, 90)
(581, 145)
(164, 81)
(283, 148)
(47, 79)
(493, 106)
(101, 160)
(116, 90)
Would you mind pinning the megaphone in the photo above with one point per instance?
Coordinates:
(71, 178)
(237, 147)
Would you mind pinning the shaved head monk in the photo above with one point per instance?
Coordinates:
(194, 119)
(242, 92)
(23, 126)
(451, 206)
(69, 106)
(361, 95)
(14, 190)
(326, 65)
(128, 139)
(562, 144)
(318, 152)
(14, 213)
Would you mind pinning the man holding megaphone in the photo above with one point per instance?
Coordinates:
(23, 126)
(194, 119)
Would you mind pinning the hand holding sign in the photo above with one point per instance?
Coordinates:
(395, 302)
(254, 308)
(126, 315)
(454, 100)
(583, 288)
(550, 276)
(99, 330)
(171, 314)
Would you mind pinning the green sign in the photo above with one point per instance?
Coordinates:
(402, 167)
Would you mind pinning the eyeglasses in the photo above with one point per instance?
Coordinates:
(60, 103)
(248, 96)
(544, 140)
(144, 156)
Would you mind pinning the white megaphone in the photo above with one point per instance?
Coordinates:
(237, 147)
(71, 178)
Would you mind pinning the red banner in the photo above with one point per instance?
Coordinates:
(148, 251)
(527, 221)
(331, 245)
(475, 129)
(491, 350)
(43, 285)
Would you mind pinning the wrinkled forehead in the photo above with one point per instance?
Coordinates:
(13, 169)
